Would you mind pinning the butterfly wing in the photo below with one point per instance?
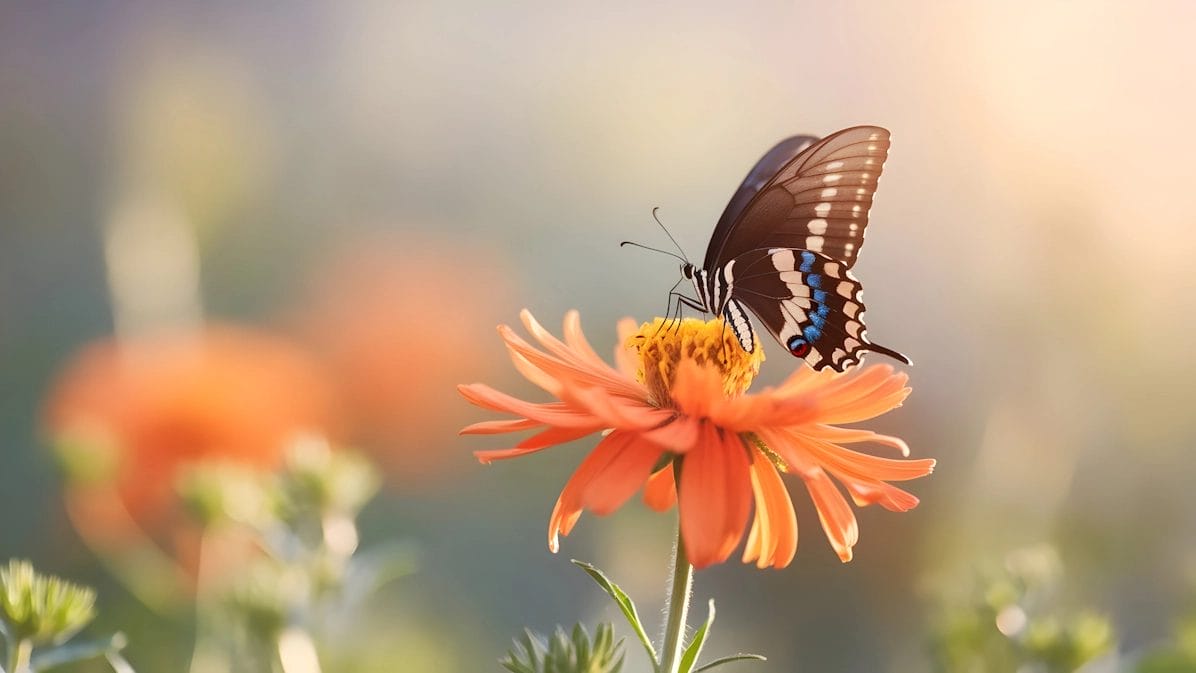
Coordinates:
(768, 166)
(817, 200)
(811, 303)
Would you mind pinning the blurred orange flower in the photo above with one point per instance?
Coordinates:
(681, 408)
(370, 315)
(135, 412)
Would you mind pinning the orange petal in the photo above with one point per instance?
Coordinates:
(576, 339)
(696, 389)
(716, 496)
(537, 442)
(617, 411)
(625, 360)
(678, 434)
(804, 379)
(579, 362)
(498, 427)
(552, 413)
(867, 492)
(535, 374)
(838, 521)
(872, 392)
(568, 368)
(861, 465)
(773, 538)
(570, 503)
(629, 461)
(837, 435)
(660, 493)
(775, 411)
(554, 436)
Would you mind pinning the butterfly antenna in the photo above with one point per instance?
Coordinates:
(684, 257)
(645, 247)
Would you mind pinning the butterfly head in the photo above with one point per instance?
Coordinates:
(687, 270)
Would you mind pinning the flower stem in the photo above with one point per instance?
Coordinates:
(19, 655)
(678, 608)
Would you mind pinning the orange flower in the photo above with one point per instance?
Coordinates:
(367, 314)
(681, 409)
(135, 412)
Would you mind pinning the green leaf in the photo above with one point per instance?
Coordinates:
(727, 660)
(690, 656)
(566, 652)
(626, 605)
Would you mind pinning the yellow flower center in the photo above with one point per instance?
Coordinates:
(662, 346)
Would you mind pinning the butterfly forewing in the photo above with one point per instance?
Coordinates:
(761, 174)
(818, 201)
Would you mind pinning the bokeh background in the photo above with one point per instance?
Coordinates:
(380, 183)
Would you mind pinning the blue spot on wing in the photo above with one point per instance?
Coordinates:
(811, 333)
(807, 261)
(814, 280)
(820, 296)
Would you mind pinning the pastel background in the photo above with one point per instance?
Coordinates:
(380, 183)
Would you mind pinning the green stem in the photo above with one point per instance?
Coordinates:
(19, 655)
(678, 608)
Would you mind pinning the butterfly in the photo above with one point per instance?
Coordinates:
(784, 247)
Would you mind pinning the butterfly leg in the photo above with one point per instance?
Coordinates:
(686, 301)
(668, 316)
(676, 300)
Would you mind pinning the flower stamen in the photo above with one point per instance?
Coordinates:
(663, 346)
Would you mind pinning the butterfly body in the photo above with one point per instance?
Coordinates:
(784, 247)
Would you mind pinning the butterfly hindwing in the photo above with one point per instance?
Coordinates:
(811, 303)
(817, 201)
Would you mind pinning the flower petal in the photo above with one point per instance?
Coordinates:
(499, 427)
(716, 495)
(625, 359)
(534, 374)
(872, 392)
(773, 538)
(697, 389)
(566, 367)
(838, 521)
(860, 465)
(629, 464)
(551, 413)
(581, 486)
(660, 493)
(576, 339)
(837, 435)
(677, 434)
(616, 411)
(867, 492)
(537, 442)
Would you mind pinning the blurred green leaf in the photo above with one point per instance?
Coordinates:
(625, 604)
(690, 656)
(731, 659)
(1009, 616)
(566, 653)
(42, 608)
